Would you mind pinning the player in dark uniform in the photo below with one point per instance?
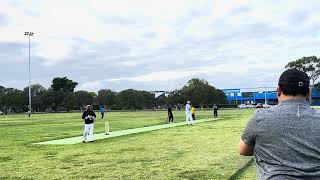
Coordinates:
(170, 115)
(88, 116)
(215, 110)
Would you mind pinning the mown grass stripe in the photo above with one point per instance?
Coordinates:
(78, 139)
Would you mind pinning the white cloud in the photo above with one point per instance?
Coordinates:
(149, 41)
(91, 86)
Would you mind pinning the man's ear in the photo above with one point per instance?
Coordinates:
(278, 91)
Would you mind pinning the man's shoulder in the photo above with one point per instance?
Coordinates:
(315, 112)
(263, 113)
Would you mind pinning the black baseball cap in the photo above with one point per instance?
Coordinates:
(294, 78)
(294, 82)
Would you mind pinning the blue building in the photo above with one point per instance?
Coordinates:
(264, 95)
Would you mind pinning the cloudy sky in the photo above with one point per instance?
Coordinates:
(155, 44)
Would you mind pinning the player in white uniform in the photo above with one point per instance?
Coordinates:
(189, 119)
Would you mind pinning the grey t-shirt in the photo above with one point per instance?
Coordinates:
(286, 140)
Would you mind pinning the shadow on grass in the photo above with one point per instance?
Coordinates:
(240, 171)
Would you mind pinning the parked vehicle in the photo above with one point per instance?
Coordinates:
(259, 105)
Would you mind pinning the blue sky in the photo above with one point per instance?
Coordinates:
(155, 45)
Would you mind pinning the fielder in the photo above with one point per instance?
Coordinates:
(189, 119)
(102, 111)
(88, 117)
(215, 111)
(170, 115)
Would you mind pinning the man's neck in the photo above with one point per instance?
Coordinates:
(285, 98)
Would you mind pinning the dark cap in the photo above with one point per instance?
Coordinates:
(294, 78)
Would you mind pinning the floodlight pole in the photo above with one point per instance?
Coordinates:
(29, 34)
(265, 97)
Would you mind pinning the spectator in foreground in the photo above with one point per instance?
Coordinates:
(285, 139)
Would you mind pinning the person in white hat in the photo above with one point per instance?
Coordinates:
(189, 119)
(88, 117)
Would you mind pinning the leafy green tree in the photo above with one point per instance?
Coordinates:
(70, 101)
(106, 97)
(200, 93)
(126, 99)
(144, 99)
(63, 84)
(175, 97)
(54, 99)
(317, 86)
(2, 93)
(83, 98)
(13, 100)
(133, 99)
(309, 65)
(37, 91)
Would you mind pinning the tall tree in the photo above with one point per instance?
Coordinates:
(106, 97)
(2, 93)
(83, 98)
(200, 93)
(309, 65)
(54, 99)
(37, 91)
(13, 99)
(134, 99)
(70, 101)
(175, 97)
(60, 90)
(63, 84)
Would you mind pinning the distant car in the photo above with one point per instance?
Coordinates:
(266, 105)
(242, 106)
(259, 105)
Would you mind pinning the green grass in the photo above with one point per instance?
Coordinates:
(205, 151)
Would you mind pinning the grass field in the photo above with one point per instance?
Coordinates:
(206, 151)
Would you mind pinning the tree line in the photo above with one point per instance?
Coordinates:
(62, 97)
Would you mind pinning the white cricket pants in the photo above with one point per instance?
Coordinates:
(88, 132)
(189, 119)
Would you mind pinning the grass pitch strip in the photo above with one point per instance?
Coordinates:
(78, 139)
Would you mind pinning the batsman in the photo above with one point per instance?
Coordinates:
(88, 116)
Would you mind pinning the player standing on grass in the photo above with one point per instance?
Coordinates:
(88, 116)
(285, 139)
(215, 110)
(189, 119)
(102, 111)
(193, 111)
(170, 115)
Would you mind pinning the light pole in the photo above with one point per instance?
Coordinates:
(29, 34)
